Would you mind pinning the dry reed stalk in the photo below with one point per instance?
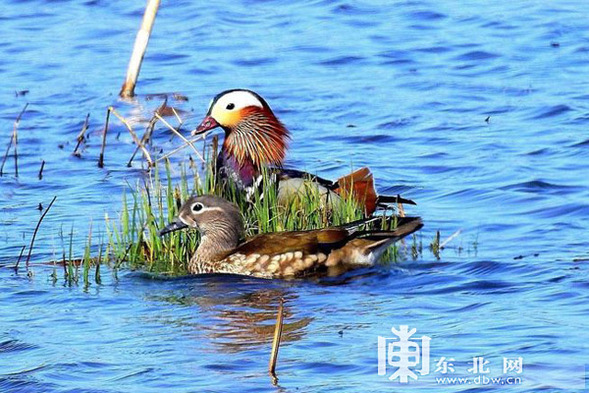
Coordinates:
(276, 341)
(35, 233)
(101, 159)
(22, 250)
(80, 136)
(41, 170)
(176, 150)
(435, 246)
(452, 236)
(139, 48)
(401, 209)
(180, 121)
(16, 123)
(14, 140)
(134, 135)
(144, 139)
(181, 137)
(148, 132)
(6, 154)
(151, 126)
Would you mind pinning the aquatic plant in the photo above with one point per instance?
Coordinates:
(133, 240)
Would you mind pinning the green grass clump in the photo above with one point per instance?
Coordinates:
(133, 240)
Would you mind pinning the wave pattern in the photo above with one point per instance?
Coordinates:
(477, 112)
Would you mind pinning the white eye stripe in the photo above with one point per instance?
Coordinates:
(240, 99)
(207, 209)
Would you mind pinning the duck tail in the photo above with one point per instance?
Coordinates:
(353, 225)
(385, 201)
(406, 227)
(360, 185)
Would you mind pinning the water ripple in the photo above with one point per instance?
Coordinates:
(15, 346)
(477, 55)
(477, 112)
(536, 186)
(552, 111)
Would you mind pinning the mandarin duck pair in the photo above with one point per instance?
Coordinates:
(255, 141)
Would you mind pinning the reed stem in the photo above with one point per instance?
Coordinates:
(80, 136)
(147, 136)
(133, 135)
(6, 154)
(22, 250)
(14, 140)
(276, 341)
(35, 233)
(450, 238)
(128, 88)
(101, 159)
(181, 147)
(181, 136)
(41, 170)
(16, 148)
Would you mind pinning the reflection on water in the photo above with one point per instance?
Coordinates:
(240, 320)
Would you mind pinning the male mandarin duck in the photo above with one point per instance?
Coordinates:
(329, 251)
(255, 138)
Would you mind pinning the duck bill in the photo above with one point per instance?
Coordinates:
(175, 225)
(208, 123)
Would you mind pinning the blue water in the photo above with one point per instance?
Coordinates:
(478, 111)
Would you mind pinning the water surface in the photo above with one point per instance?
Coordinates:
(479, 112)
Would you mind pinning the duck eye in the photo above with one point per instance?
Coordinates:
(197, 207)
(230, 106)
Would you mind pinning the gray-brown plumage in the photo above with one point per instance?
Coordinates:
(280, 254)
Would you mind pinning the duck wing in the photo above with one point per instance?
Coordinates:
(287, 254)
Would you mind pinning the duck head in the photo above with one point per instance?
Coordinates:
(253, 134)
(209, 214)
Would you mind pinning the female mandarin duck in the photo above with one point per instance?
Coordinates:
(255, 138)
(280, 254)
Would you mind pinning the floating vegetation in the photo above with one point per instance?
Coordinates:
(133, 241)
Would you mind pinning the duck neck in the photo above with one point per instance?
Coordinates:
(216, 242)
(258, 141)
